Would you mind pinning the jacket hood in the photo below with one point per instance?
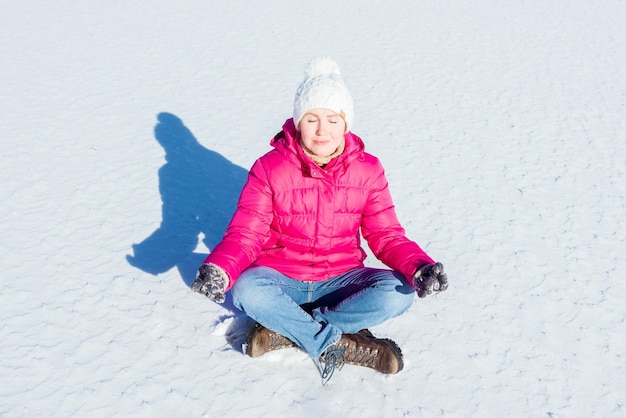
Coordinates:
(287, 143)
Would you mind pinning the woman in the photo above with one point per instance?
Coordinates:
(292, 256)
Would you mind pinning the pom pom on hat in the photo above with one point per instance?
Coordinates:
(323, 88)
(320, 66)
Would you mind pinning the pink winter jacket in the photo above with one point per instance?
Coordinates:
(304, 221)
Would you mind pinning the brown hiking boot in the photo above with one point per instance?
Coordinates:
(362, 349)
(261, 340)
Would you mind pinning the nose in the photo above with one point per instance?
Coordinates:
(322, 127)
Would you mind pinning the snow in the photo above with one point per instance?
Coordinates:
(502, 129)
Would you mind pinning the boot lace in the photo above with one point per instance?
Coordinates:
(278, 342)
(332, 359)
(339, 354)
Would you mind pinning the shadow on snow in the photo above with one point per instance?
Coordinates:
(199, 190)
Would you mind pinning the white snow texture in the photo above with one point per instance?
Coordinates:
(128, 128)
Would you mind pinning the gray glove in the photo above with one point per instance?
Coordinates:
(430, 279)
(211, 282)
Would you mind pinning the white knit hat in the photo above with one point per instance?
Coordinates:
(323, 88)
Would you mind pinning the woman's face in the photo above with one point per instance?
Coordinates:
(322, 131)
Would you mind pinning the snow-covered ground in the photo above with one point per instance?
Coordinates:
(128, 127)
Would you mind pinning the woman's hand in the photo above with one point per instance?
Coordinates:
(212, 282)
(430, 279)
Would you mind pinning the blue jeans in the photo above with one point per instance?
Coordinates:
(314, 315)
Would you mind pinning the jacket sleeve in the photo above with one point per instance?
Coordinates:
(249, 228)
(384, 234)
